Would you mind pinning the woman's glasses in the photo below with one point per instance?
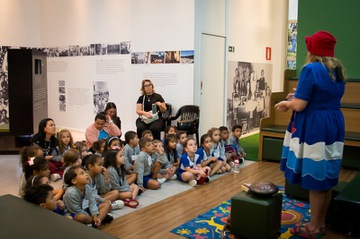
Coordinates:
(148, 85)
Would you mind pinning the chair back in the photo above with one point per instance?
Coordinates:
(168, 111)
(189, 118)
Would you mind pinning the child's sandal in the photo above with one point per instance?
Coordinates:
(131, 203)
(303, 231)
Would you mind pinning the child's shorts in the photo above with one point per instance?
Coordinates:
(146, 180)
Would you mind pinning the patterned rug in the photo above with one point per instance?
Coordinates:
(210, 224)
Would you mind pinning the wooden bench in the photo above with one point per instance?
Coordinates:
(272, 129)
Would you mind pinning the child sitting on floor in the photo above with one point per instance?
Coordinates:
(230, 152)
(41, 195)
(147, 134)
(131, 152)
(25, 154)
(207, 158)
(114, 161)
(143, 165)
(80, 204)
(218, 150)
(234, 140)
(100, 182)
(190, 169)
(35, 181)
(99, 147)
(181, 137)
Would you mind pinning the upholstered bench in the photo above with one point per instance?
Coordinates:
(21, 219)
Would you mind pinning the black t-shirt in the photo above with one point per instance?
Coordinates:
(149, 100)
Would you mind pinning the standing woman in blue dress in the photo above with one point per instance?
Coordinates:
(314, 140)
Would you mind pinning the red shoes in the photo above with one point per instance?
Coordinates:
(131, 203)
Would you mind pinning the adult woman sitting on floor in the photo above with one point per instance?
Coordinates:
(111, 110)
(144, 108)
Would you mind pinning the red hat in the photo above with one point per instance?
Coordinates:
(321, 43)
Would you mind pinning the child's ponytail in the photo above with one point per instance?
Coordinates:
(35, 164)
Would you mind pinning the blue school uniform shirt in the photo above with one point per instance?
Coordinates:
(185, 162)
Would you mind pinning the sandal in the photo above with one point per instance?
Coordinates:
(303, 231)
(131, 203)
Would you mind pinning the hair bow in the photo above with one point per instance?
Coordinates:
(31, 161)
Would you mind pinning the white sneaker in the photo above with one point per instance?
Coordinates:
(54, 177)
(192, 183)
(117, 204)
(173, 177)
(161, 180)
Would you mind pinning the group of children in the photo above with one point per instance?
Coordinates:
(114, 174)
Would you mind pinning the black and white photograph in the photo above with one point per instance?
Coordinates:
(248, 97)
(125, 47)
(62, 87)
(137, 57)
(62, 103)
(74, 50)
(100, 96)
(113, 49)
(4, 91)
(84, 51)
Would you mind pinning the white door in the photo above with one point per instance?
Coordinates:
(212, 81)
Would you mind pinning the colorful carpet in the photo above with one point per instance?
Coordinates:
(210, 224)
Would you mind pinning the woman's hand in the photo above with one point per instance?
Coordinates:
(148, 115)
(282, 106)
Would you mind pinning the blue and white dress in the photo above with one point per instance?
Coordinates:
(314, 140)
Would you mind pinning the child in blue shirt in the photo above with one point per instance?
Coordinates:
(190, 169)
(235, 142)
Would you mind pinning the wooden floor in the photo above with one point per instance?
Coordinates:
(156, 221)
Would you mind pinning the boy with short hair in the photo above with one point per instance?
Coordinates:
(158, 170)
(131, 149)
(79, 201)
(41, 195)
(143, 165)
(181, 136)
(131, 152)
(147, 134)
(235, 142)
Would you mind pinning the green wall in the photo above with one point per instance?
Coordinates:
(342, 19)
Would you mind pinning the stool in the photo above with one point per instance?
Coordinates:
(296, 191)
(255, 217)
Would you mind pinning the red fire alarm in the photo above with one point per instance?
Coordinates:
(268, 53)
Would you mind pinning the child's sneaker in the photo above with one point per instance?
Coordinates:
(54, 177)
(207, 179)
(192, 183)
(241, 160)
(161, 180)
(173, 177)
(117, 204)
